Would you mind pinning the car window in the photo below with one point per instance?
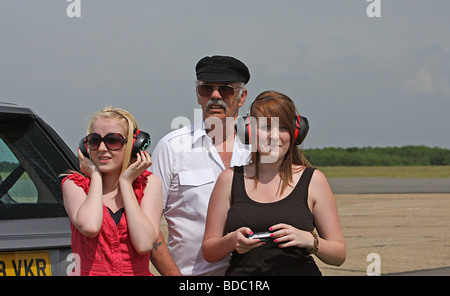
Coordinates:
(30, 166)
(16, 185)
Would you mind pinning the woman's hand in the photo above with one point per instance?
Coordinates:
(87, 166)
(243, 244)
(288, 236)
(143, 162)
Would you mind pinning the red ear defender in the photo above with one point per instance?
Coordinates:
(248, 129)
(243, 129)
(301, 129)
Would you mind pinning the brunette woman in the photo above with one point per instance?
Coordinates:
(278, 194)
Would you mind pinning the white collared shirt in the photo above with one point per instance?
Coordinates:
(188, 165)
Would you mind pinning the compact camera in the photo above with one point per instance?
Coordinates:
(263, 236)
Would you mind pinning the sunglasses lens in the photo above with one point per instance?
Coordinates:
(113, 141)
(93, 141)
(205, 90)
(226, 91)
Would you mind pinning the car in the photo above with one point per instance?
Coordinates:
(34, 227)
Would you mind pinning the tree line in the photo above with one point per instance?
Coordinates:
(8, 166)
(374, 156)
(366, 156)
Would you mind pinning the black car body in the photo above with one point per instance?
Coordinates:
(34, 227)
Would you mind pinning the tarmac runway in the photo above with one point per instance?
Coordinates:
(405, 221)
(389, 185)
(443, 271)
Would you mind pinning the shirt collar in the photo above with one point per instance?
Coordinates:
(198, 131)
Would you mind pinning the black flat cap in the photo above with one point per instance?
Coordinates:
(222, 68)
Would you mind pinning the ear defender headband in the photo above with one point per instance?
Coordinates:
(141, 142)
(243, 128)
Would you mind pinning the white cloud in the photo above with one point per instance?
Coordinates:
(423, 82)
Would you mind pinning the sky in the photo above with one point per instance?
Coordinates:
(361, 81)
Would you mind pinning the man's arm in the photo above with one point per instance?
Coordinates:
(162, 260)
(162, 166)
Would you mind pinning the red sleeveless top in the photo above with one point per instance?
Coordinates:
(111, 252)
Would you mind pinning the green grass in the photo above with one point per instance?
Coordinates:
(387, 172)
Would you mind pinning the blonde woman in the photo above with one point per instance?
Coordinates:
(115, 207)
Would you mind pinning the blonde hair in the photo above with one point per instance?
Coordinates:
(120, 115)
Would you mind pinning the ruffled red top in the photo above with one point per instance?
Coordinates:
(111, 252)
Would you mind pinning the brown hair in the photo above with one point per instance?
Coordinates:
(274, 104)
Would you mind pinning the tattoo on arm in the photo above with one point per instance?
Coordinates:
(155, 247)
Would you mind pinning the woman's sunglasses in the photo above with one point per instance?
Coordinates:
(113, 141)
(225, 91)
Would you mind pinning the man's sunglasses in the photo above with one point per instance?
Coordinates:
(225, 91)
(113, 141)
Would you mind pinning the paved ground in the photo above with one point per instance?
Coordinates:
(409, 232)
(443, 271)
(405, 221)
(389, 185)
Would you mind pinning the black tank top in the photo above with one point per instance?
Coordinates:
(269, 259)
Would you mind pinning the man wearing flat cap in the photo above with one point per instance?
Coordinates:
(188, 174)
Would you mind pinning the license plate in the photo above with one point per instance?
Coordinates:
(30, 263)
